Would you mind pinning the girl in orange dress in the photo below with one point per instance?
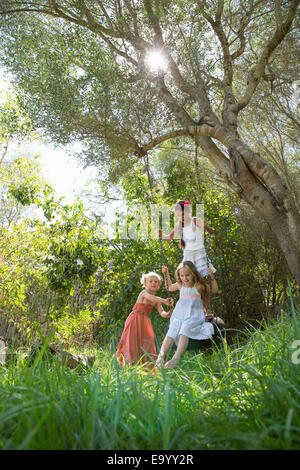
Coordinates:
(137, 341)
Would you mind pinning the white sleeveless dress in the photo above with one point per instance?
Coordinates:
(194, 249)
(188, 317)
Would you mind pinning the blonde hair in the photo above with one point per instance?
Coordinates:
(202, 285)
(151, 273)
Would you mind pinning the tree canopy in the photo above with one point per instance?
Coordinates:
(83, 72)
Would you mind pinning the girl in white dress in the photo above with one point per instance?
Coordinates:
(188, 318)
(191, 230)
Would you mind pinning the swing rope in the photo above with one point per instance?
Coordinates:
(162, 255)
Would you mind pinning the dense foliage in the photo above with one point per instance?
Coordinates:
(82, 71)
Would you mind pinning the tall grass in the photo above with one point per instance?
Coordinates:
(243, 396)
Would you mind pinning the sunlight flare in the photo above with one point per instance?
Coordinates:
(156, 61)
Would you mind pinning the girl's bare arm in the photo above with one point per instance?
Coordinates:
(171, 287)
(152, 298)
(162, 312)
(214, 284)
(171, 235)
(202, 223)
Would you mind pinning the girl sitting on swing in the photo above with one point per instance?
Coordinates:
(191, 238)
(191, 242)
(188, 319)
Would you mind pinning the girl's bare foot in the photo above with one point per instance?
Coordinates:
(172, 364)
(160, 360)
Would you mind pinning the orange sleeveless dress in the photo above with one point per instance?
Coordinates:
(137, 343)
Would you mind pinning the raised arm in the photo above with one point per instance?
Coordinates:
(207, 228)
(171, 287)
(214, 284)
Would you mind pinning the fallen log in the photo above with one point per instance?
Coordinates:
(72, 361)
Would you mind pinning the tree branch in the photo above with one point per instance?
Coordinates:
(105, 14)
(258, 71)
(278, 13)
(241, 48)
(168, 99)
(207, 129)
(262, 169)
(154, 23)
(134, 17)
(193, 91)
(4, 153)
(209, 148)
(229, 118)
(217, 27)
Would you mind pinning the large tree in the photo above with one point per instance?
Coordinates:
(84, 69)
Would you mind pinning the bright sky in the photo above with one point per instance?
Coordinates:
(63, 171)
(60, 168)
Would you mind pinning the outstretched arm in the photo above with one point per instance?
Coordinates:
(171, 235)
(162, 312)
(154, 299)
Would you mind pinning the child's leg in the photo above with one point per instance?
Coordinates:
(167, 343)
(182, 345)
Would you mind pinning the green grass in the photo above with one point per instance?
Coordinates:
(246, 396)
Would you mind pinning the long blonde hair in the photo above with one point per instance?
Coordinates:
(201, 284)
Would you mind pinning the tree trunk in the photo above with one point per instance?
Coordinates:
(281, 216)
(281, 227)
